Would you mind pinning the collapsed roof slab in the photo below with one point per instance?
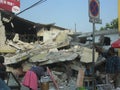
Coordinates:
(54, 57)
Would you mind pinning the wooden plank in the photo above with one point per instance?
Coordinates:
(52, 78)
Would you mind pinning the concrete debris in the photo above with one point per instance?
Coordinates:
(86, 55)
(11, 59)
(63, 58)
(20, 45)
(26, 66)
(53, 51)
(16, 38)
(2, 33)
(63, 51)
(7, 49)
(75, 67)
(39, 57)
(59, 57)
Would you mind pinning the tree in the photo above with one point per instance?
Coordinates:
(102, 28)
(112, 25)
(108, 26)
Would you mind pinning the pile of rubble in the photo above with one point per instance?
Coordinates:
(63, 59)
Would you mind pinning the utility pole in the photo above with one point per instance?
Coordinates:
(75, 27)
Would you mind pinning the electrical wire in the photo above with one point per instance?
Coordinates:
(39, 2)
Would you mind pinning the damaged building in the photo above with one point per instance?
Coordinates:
(25, 43)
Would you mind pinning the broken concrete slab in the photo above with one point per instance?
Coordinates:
(7, 49)
(53, 57)
(16, 58)
(85, 53)
(39, 57)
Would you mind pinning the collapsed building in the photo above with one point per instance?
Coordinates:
(24, 43)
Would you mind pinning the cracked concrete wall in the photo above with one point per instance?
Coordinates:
(2, 33)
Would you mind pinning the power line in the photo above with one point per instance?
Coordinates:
(39, 2)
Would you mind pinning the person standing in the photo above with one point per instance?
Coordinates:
(112, 66)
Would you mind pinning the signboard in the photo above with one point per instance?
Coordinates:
(10, 5)
(94, 11)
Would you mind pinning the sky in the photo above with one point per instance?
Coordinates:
(69, 13)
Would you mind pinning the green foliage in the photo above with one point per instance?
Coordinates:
(102, 28)
(111, 25)
(80, 88)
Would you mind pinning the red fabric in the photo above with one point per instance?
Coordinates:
(116, 44)
(9, 4)
(30, 80)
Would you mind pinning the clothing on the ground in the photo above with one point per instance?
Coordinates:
(30, 80)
